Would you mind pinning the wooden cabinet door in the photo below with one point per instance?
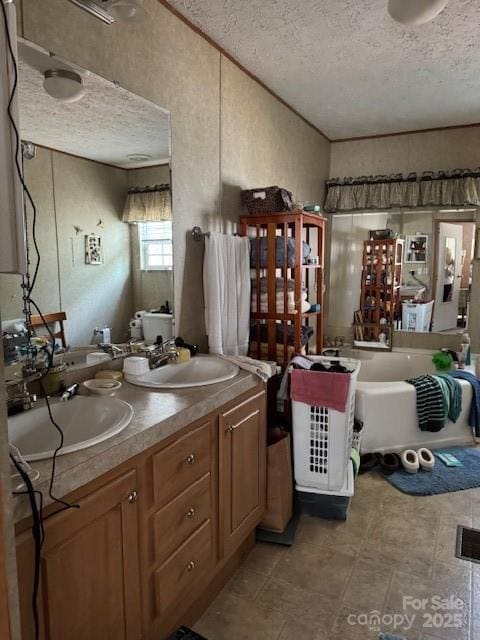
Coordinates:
(90, 581)
(242, 471)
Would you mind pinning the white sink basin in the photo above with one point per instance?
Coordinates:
(84, 420)
(197, 372)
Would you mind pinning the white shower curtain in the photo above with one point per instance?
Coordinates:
(226, 284)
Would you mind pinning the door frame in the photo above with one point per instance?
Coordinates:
(465, 217)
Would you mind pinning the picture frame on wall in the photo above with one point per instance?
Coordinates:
(93, 249)
(416, 248)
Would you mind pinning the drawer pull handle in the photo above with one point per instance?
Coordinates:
(190, 458)
(191, 565)
(232, 427)
(132, 497)
(190, 513)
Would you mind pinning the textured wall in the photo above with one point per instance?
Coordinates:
(165, 61)
(429, 151)
(70, 191)
(91, 295)
(38, 173)
(264, 143)
(150, 288)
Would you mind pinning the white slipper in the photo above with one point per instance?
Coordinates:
(426, 459)
(410, 460)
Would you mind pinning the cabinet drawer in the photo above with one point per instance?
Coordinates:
(180, 573)
(181, 463)
(177, 520)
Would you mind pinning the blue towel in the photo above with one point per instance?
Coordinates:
(474, 417)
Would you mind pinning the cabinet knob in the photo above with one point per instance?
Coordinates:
(191, 565)
(191, 458)
(132, 497)
(190, 513)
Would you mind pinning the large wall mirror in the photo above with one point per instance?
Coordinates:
(98, 169)
(436, 269)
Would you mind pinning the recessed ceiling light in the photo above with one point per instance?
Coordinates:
(415, 11)
(63, 85)
(139, 157)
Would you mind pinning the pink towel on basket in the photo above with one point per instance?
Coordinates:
(320, 388)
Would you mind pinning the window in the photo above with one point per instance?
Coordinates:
(156, 248)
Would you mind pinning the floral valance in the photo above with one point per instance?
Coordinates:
(148, 204)
(458, 188)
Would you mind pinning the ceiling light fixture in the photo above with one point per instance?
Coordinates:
(126, 10)
(413, 12)
(63, 85)
(139, 157)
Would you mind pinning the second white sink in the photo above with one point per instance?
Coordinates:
(84, 420)
(199, 371)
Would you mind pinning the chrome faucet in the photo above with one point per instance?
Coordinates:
(113, 350)
(160, 354)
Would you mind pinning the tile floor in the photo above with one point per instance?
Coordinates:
(392, 545)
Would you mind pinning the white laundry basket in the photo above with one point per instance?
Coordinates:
(322, 438)
(416, 316)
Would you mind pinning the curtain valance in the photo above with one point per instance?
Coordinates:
(148, 204)
(458, 188)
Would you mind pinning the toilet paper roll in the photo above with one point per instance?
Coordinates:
(139, 314)
(136, 324)
(136, 332)
(305, 306)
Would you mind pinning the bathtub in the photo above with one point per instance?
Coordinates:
(387, 405)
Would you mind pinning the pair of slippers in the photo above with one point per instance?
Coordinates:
(412, 461)
(388, 462)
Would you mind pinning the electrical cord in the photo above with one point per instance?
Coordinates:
(38, 532)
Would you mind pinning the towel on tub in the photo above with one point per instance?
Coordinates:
(474, 417)
(320, 389)
(452, 395)
(430, 409)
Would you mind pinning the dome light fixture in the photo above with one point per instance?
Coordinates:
(63, 85)
(126, 10)
(139, 157)
(412, 12)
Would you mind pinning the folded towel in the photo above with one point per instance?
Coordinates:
(474, 417)
(355, 458)
(280, 258)
(279, 302)
(263, 369)
(430, 407)
(306, 333)
(279, 284)
(320, 389)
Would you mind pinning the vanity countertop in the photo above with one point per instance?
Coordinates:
(158, 414)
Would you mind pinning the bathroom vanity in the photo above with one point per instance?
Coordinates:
(167, 510)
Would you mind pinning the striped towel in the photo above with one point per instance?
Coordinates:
(430, 407)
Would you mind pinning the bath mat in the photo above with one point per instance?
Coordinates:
(442, 479)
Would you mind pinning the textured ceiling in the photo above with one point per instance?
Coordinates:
(107, 124)
(347, 67)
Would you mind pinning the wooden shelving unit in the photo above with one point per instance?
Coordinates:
(381, 276)
(277, 333)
